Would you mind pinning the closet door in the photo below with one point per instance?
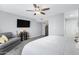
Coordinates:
(71, 27)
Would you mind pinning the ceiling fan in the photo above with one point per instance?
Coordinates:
(38, 10)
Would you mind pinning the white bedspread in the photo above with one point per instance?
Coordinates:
(56, 45)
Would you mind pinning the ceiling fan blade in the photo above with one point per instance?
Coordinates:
(45, 9)
(35, 5)
(42, 13)
(34, 13)
(30, 10)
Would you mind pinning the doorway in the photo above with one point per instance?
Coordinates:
(46, 30)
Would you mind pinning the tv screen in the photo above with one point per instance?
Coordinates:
(23, 23)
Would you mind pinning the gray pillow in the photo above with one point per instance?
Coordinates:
(7, 34)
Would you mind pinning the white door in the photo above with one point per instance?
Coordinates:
(71, 27)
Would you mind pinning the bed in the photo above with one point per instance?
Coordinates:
(50, 45)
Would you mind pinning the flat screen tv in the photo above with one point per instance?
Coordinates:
(23, 23)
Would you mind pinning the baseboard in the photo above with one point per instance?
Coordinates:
(38, 36)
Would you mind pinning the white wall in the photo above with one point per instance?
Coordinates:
(56, 25)
(8, 23)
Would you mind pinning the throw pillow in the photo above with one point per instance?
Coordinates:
(2, 40)
(5, 38)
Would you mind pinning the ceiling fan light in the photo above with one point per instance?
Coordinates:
(38, 13)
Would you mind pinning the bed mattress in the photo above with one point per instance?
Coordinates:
(51, 45)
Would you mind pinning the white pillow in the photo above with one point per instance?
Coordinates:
(3, 39)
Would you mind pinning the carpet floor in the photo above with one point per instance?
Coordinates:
(18, 49)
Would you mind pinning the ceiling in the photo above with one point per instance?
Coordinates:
(20, 9)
